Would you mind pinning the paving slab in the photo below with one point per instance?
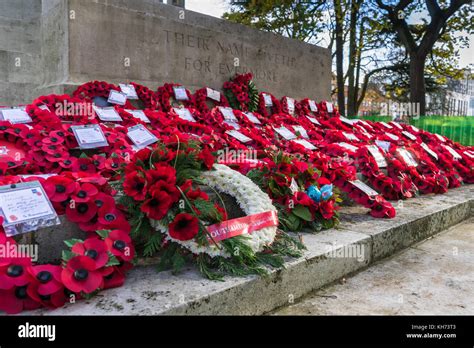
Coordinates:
(434, 277)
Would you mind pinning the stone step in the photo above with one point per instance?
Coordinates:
(147, 292)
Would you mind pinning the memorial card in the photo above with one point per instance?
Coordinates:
(89, 137)
(107, 114)
(15, 115)
(141, 136)
(25, 207)
(116, 97)
(140, 114)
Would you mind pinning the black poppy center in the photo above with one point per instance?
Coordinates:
(53, 139)
(15, 271)
(99, 203)
(83, 166)
(44, 276)
(81, 274)
(139, 186)
(20, 292)
(60, 188)
(67, 162)
(92, 253)
(52, 147)
(119, 244)
(82, 208)
(109, 217)
(82, 194)
(57, 155)
(114, 165)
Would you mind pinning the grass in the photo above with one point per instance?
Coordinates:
(457, 128)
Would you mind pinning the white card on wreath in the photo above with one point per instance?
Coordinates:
(305, 143)
(396, 124)
(364, 188)
(414, 128)
(312, 106)
(348, 146)
(409, 135)
(385, 145)
(428, 150)
(392, 136)
(386, 125)
(347, 121)
(377, 155)
(302, 131)
(180, 93)
(350, 136)
(129, 90)
(25, 207)
(468, 153)
(213, 94)
(440, 138)
(15, 115)
(285, 133)
(267, 98)
(453, 152)
(141, 136)
(228, 114)
(138, 114)
(184, 114)
(329, 107)
(44, 107)
(294, 186)
(252, 118)
(89, 137)
(407, 157)
(290, 102)
(116, 97)
(313, 120)
(234, 125)
(239, 136)
(107, 114)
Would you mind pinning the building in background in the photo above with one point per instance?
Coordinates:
(457, 99)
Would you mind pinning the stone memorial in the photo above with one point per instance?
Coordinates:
(51, 46)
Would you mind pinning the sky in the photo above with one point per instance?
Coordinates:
(216, 8)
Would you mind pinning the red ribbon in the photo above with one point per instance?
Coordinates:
(247, 224)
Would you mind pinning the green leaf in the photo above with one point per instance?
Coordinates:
(103, 233)
(112, 260)
(67, 255)
(71, 242)
(302, 212)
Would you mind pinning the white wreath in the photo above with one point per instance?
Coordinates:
(250, 198)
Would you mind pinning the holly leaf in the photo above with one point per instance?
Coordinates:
(302, 212)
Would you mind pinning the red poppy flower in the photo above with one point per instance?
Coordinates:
(48, 278)
(84, 193)
(302, 198)
(184, 227)
(15, 272)
(99, 161)
(326, 209)
(120, 245)
(206, 156)
(113, 277)
(16, 299)
(80, 274)
(162, 186)
(162, 172)
(157, 206)
(81, 212)
(94, 248)
(59, 188)
(134, 186)
(52, 301)
(84, 165)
